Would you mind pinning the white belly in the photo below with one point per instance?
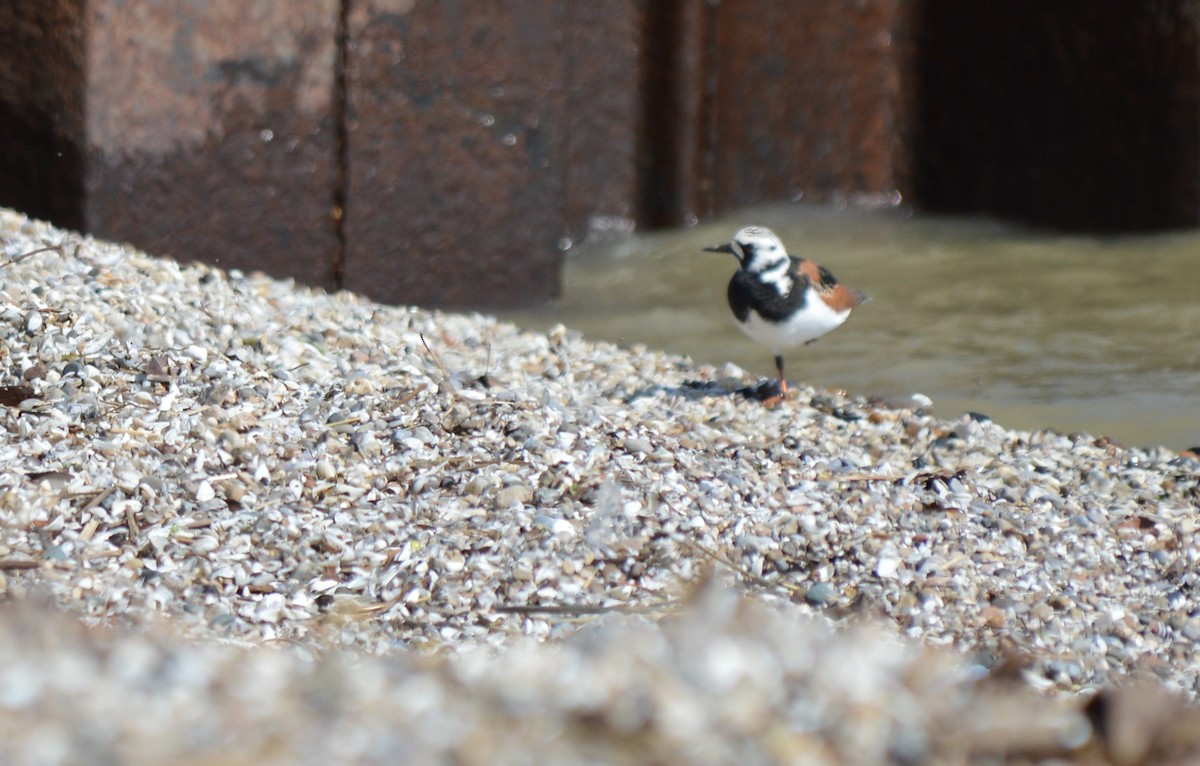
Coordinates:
(814, 321)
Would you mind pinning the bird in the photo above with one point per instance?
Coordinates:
(782, 301)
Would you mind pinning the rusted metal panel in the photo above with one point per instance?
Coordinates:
(602, 118)
(808, 100)
(472, 139)
(455, 181)
(210, 132)
(480, 135)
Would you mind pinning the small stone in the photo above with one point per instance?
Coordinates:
(821, 594)
(205, 492)
(564, 530)
(205, 543)
(638, 444)
(475, 486)
(560, 528)
(222, 621)
(325, 470)
(35, 372)
(33, 322)
(993, 617)
(513, 494)
(196, 353)
(159, 366)
(1191, 629)
(1042, 610)
(216, 394)
(235, 490)
(270, 609)
(888, 564)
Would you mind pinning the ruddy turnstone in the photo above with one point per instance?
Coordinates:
(781, 300)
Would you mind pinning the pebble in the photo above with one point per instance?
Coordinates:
(821, 594)
(638, 444)
(888, 564)
(1191, 629)
(205, 492)
(513, 494)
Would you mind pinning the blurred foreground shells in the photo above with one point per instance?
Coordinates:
(247, 522)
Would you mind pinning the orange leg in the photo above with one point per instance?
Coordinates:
(770, 392)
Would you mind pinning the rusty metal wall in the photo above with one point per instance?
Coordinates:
(480, 135)
(808, 100)
(443, 152)
(210, 132)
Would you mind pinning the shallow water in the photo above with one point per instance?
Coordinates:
(1035, 329)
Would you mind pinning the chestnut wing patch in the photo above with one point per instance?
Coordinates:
(838, 296)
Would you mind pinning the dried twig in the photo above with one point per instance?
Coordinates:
(18, 258)
(131, 522)
(100, 497)
(857, 477)
(366, 610)
(579, 609)
(741, 570)
(437, 360)
(17, 565)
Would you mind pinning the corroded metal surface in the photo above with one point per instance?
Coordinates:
(479, 136)
(210, 132)
(446, 153)
(807, 101)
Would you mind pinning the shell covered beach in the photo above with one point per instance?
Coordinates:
(246, 522)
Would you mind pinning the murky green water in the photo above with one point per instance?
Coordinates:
(1034, 329)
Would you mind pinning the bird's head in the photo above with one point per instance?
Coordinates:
(756, 248)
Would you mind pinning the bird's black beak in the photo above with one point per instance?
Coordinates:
(725, 248)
